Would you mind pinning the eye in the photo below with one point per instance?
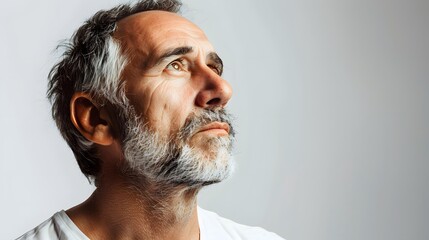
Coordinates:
(176, 65)
(215, 69)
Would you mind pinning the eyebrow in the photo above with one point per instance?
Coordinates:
(174, 52)
(213, 57)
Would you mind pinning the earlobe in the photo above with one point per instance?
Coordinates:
(90, 120)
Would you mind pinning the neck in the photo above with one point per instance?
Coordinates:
(123, 209)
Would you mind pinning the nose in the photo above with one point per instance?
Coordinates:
(214, 90)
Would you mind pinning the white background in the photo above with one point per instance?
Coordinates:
(331, 104)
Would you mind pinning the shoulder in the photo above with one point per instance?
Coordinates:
(45, 230)
(58, 227)
(214, 225)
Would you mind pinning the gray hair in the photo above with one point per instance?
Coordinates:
(92, 62)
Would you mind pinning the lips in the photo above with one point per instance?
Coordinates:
(215, 126)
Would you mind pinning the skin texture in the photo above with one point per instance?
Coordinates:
(164, 95)
(165, 91)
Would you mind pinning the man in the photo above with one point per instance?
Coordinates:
(139, 98)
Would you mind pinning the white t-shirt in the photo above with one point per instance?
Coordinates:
(212, 227)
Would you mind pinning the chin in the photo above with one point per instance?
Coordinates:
(197, 166)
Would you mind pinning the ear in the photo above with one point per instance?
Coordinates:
(90, 120)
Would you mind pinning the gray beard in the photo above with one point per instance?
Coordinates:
(172, 161)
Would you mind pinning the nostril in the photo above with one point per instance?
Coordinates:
(214, 101)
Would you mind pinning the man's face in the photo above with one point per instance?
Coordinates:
(172, 80)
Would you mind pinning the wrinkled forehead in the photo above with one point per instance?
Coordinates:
(150, 31)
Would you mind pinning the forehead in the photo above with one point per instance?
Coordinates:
(151, 32)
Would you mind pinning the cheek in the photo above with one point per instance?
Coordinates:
(177, 106)
(166, 106)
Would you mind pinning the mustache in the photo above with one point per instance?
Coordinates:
(196, 121)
